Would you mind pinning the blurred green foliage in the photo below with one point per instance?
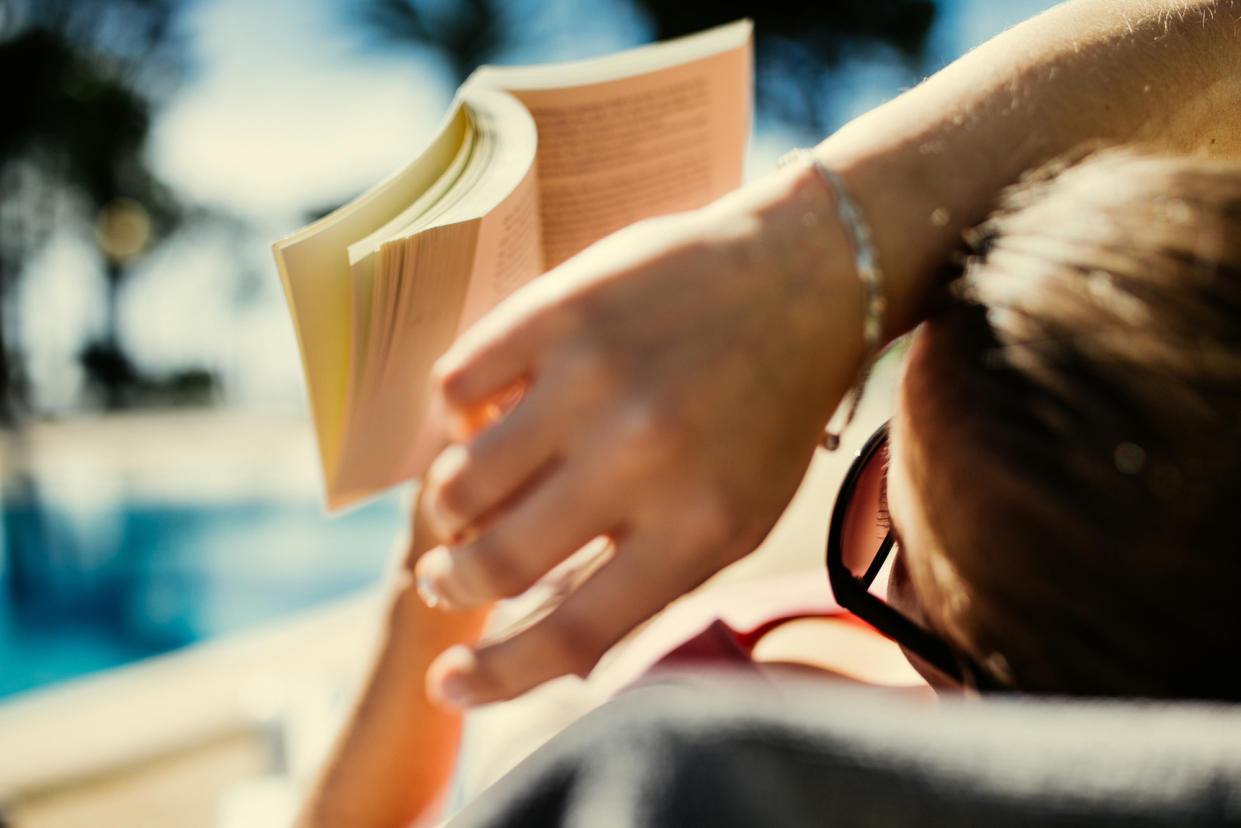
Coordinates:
(82, 80)
(797, 44)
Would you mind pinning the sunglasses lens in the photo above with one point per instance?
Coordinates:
(865, 522)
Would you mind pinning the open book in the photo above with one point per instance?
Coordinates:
(530, 165)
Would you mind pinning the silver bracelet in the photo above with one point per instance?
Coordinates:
(866, 261)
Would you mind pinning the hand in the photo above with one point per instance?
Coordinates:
(678, 373)
(676, 377)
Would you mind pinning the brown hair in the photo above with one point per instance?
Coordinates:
(1090, 365)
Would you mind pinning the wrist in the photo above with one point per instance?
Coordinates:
(915, 223)
(785, 229)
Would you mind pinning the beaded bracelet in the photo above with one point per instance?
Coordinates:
(866, 262)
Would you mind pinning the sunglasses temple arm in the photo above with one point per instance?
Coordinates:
(877, 562)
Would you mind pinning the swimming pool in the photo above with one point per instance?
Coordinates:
(85, 592)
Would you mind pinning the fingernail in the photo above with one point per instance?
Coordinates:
(449, 677)
(445, 365)
(455, 691)
(433, 565)
(426, 591)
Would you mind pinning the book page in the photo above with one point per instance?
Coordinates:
(510, 240)
(472, 247)
(362, 253)
(651, 131)
(510, 251)
(314, 268)
(422, 292)
(614, 151)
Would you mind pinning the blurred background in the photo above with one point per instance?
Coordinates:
(158, 482)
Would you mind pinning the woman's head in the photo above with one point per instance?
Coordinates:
(1067, 457)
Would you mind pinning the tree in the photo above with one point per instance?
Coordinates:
(797, 45)
(76, 125)
(81, 81)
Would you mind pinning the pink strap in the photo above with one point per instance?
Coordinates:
(719, 643)
(723, 626)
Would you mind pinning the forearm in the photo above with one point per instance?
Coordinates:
(1165, 76)
(397, 749)
(680, 372)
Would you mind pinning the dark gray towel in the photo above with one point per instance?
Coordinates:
(711, 752)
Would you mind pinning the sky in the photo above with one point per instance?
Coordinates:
(281, 96)
(289, 109)
(285, 90)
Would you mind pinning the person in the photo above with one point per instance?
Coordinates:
(1047, 500)
(679, 373)
(1068, 438)
(683, 437)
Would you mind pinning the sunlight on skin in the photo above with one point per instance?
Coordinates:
(840, 649)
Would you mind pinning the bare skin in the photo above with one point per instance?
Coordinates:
(671, 402)
(396, 752)
(677, 375)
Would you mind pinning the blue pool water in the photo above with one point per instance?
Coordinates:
(80, 593)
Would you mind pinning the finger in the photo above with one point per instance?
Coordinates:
(463, 424)
(559, 516)
(467, 481)
(571, 639)
(497, 352)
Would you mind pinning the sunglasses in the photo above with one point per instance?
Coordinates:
(861, 551)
